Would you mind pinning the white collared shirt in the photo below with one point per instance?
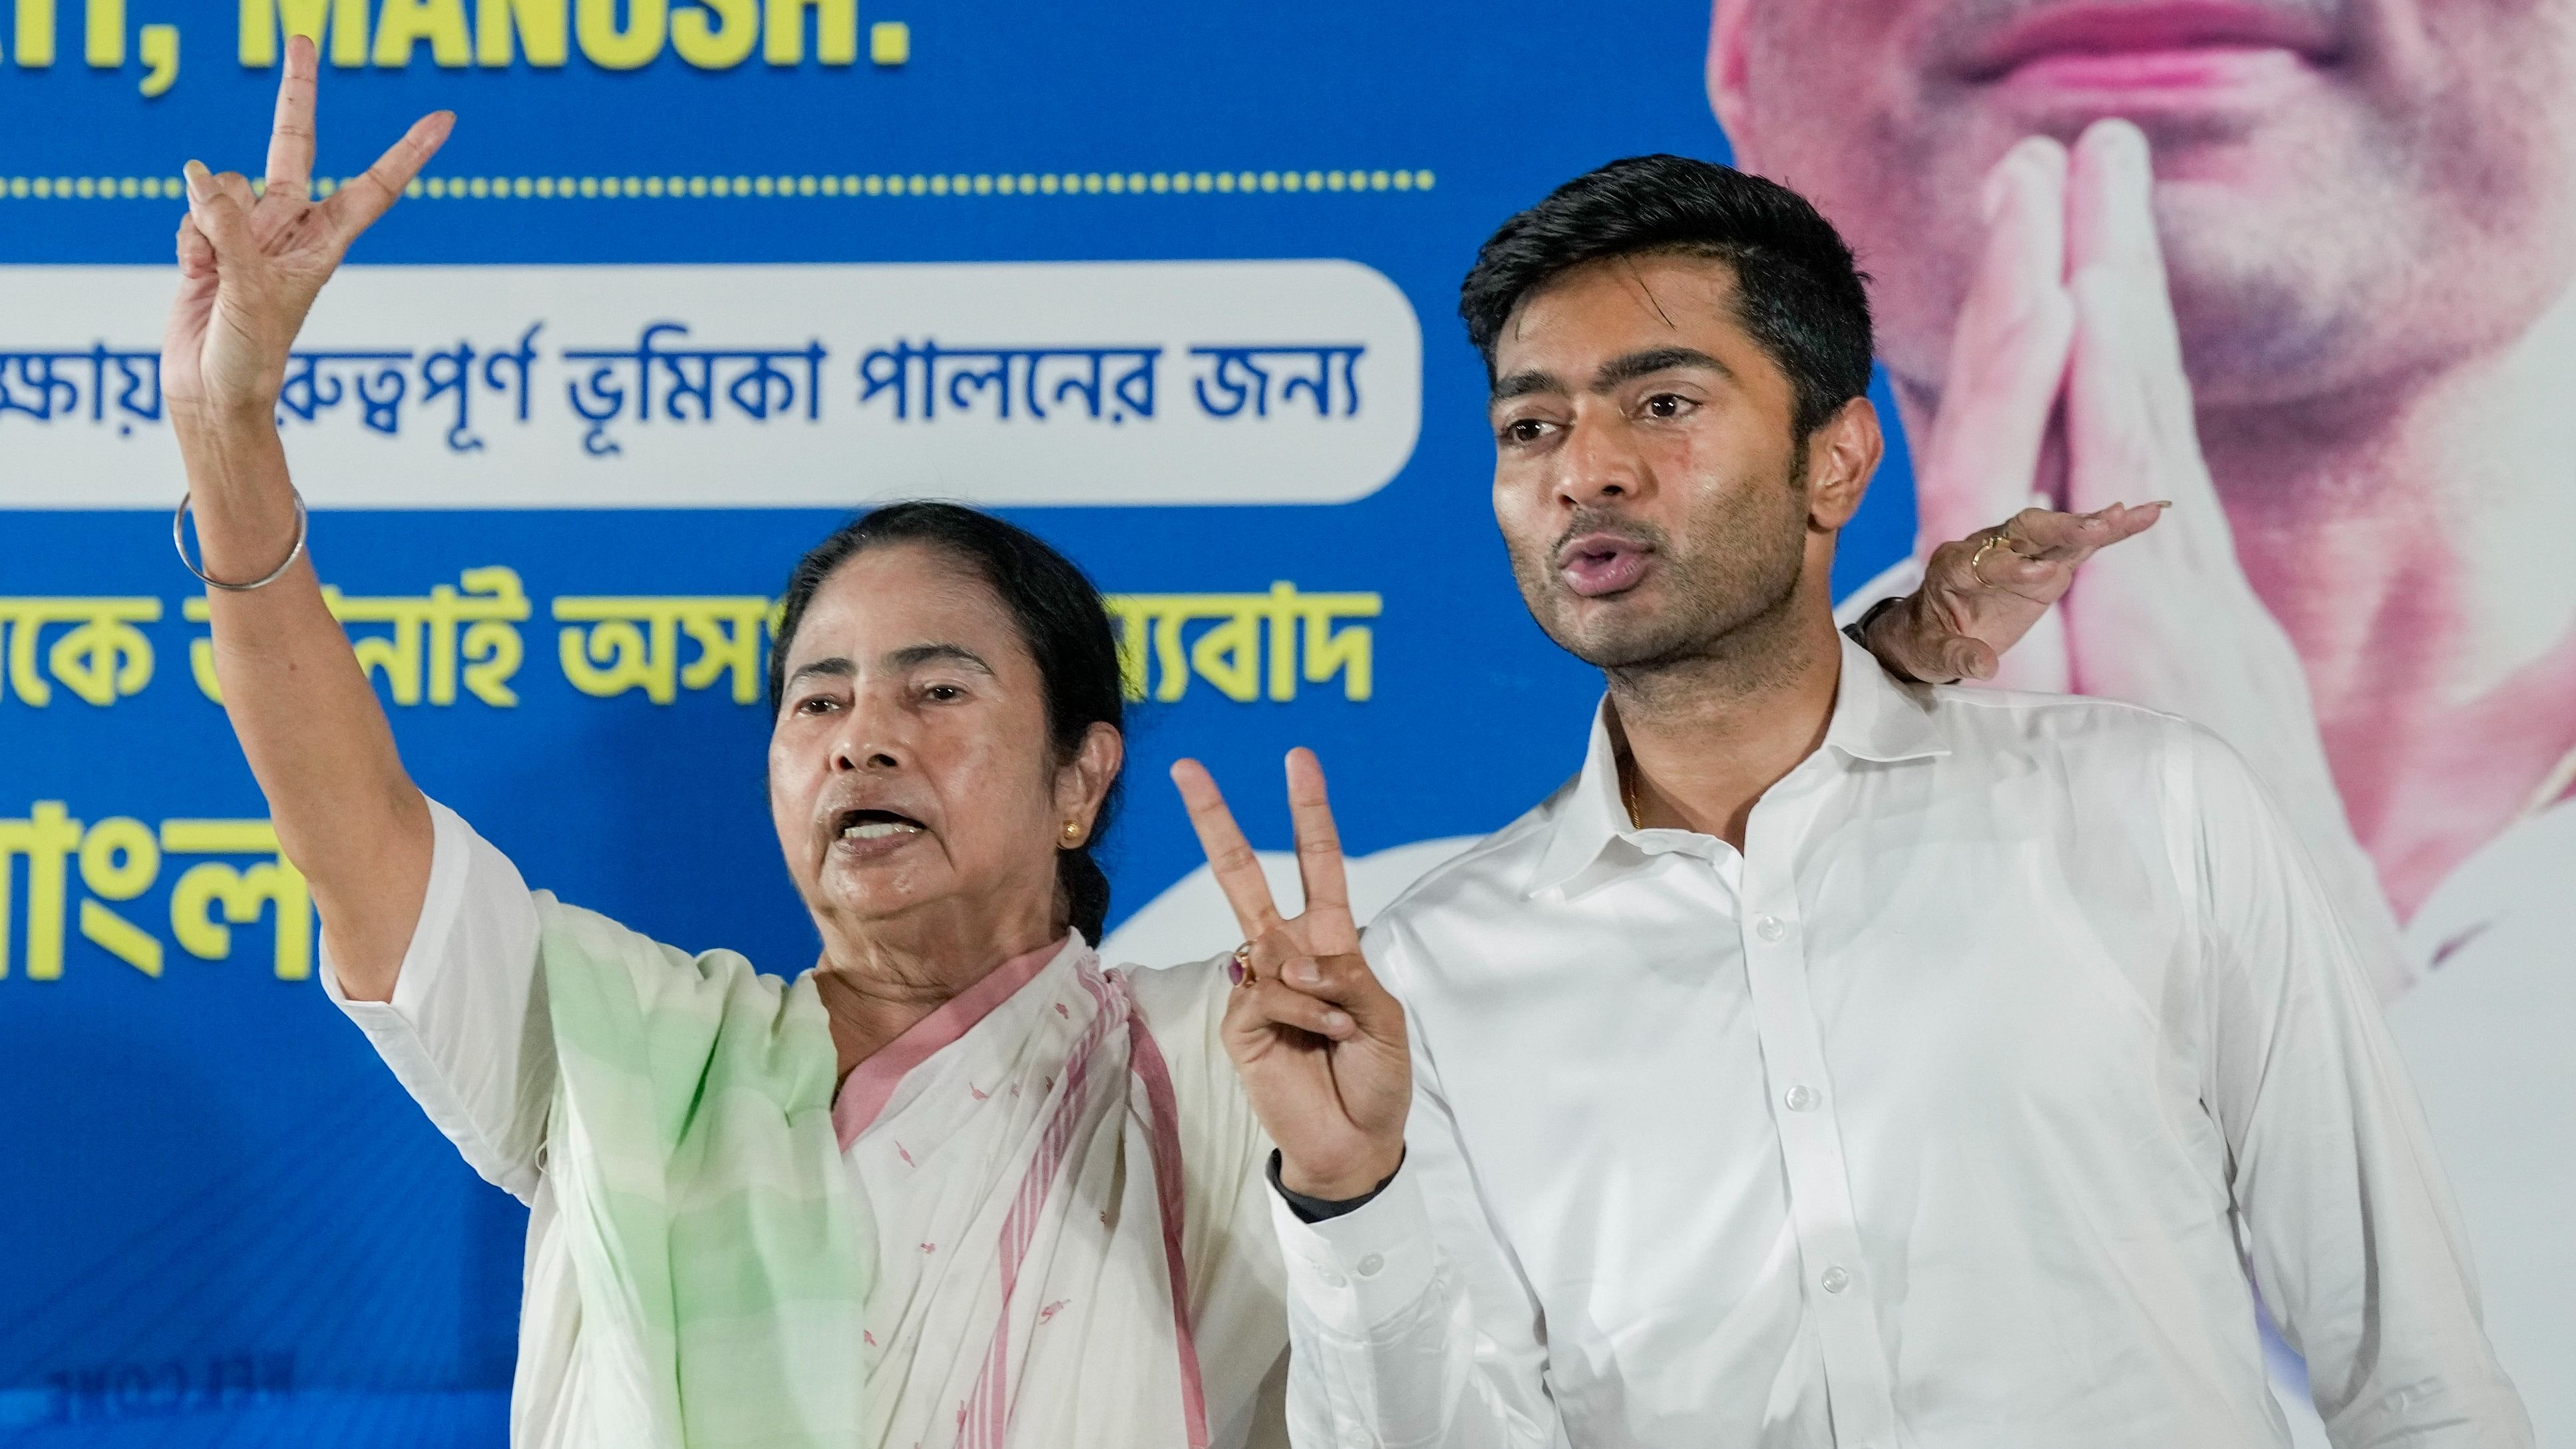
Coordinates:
(1950, 1113)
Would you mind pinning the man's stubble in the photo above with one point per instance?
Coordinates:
(1728, 604)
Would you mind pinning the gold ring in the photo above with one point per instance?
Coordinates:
(1242, 966)
(1979, 556)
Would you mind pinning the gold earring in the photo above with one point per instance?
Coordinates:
(1073, 832)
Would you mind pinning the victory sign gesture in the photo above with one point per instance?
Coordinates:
(250, 264)
(1320, 1044)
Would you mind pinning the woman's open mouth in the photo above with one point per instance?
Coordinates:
(876, 827)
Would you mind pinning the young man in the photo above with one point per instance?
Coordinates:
(2353, 321)
(1832, 1061)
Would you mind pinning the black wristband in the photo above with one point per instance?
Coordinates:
(1317, 1209)
(1858, 632)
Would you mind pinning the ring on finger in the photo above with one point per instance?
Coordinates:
(1241, 966)
(1979, 557)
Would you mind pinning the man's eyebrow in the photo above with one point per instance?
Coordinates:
(1640, 364)
(1522, 384)
(918, 655)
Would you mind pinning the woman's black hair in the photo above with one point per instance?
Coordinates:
(1060, 617)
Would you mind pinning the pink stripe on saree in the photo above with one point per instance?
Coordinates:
(985, 1418)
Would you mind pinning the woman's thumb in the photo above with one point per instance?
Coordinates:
(218, 213)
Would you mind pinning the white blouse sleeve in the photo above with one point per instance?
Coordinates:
(466, 1031)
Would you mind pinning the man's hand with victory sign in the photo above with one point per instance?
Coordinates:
(1320, 1044)
(250, 264)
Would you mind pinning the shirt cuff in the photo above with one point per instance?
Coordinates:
(1364, 1268)
(1317, 1209)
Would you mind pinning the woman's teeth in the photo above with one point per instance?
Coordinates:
(879, 830)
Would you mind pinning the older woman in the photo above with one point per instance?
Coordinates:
(958, 1183)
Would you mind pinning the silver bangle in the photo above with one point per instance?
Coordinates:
(179, 541)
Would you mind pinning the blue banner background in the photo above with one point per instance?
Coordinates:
(225, 1223)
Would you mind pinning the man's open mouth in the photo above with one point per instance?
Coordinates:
(1598, 564)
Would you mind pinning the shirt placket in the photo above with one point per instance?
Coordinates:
(1841, 1300)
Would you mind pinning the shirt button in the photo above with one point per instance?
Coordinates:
(1370, 1265)
(1770, 928)
(1835, 1280)
(1803, 1098)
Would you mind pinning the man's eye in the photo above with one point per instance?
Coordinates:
(944, 693)
(816, 704)
(1524, 430)
(1667, 405)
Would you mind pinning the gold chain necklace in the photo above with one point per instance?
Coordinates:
(1628, 793)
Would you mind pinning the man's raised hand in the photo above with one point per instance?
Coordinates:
(1988, 453)
(251, 264)
(1320, 1044)
(1980, 594)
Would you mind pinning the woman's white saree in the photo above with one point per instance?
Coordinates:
(1049, 1190)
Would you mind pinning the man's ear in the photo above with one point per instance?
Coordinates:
(1842, 456)
(1084, 782)
(1727, 63)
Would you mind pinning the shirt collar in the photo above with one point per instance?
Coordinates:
(1874, 719)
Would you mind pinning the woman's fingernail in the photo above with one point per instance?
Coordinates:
(196, 173)
(1336, 1022)
(1304, 973)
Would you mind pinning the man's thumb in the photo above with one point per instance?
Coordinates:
(1970, 659)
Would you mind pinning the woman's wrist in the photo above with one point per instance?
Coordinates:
(214, 420)
(220, 445)
(240, 497)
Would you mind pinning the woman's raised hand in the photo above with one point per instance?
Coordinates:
(251, 264)
(1320, 1044)
(308, 721)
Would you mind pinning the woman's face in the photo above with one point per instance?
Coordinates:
(910, 774)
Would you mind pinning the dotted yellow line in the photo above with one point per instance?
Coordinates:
(1023, 183)
(86, 188)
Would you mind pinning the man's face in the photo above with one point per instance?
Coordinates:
(1644, 475)
(2347, 189)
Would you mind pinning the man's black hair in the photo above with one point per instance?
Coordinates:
(1797, 291)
